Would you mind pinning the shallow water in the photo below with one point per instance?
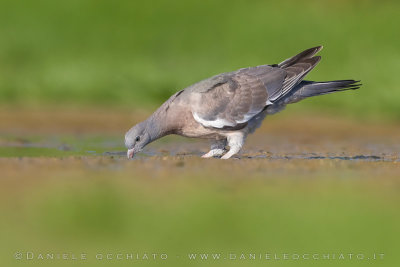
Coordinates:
(299, 140)
(111, 146)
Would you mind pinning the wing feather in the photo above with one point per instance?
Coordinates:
(230, 100)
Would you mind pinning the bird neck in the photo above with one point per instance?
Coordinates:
(157, 126)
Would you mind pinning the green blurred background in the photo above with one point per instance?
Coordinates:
(137, 53)
(132, 55)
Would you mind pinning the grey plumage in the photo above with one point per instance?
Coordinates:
(229, 106)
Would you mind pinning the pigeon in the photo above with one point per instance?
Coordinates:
(226, 108)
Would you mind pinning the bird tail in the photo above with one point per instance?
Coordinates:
(308, 89)
(296, 69)
(309, 53)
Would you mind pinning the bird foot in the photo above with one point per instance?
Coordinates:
(235, 143)
(228, 155)
(214, 152)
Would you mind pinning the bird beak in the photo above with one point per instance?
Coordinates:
(130, 153)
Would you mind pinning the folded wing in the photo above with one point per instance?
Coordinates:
(230, 100)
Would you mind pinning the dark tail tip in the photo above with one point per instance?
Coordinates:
(321, 88)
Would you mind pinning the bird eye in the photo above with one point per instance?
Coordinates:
(137, 138)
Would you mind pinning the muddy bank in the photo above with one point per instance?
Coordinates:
(285, 136)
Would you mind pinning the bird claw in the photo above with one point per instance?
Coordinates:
(213, 153)
(227, 156)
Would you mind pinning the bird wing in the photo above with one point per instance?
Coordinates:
(230, 100)
(234, 98)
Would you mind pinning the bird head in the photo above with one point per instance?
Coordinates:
(136, 139)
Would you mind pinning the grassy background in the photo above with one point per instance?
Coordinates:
(137, 53)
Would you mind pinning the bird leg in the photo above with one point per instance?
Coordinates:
(217, 149)
(235, 142)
